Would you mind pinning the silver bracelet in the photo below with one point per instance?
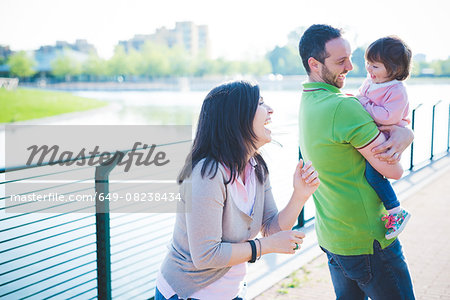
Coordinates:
(260, 248)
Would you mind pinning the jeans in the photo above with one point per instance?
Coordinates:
(159, 296)
(383, 275)
(382, 187)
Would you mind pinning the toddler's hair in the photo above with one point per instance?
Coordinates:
(394, 54)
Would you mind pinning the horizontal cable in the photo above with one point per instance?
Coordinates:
(45, 249)
(46, 238)
(41, 230)
(73, 287)
(50, 287)
(45, 279)
(36, 221)
(134, 287)
(126, 275)
(153, 238)
(48, 174)
(136, 245)
(94, 288)
(128, 265)
(47, 258)
(48, 268)
(143, 293)
(137, 220)
(52, 187)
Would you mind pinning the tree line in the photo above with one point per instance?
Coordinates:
(159, 61)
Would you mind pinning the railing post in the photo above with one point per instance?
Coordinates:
(301, 216)
(432, 130)
(103, 226)
(448, 131)
(411, 164)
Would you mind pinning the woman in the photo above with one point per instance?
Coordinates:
(227, 200)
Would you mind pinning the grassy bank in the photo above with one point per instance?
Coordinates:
(27, 104)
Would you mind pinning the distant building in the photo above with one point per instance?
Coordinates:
(420, 57)
(191, 37)
(5, 52)
(79, 46)
(44, 56)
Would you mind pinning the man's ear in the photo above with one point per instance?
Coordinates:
(314, 64)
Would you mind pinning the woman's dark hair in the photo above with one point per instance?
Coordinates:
(225, 132)
(394, 54)
(312, 43)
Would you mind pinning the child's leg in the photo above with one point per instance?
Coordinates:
(382, 187)
(398, 217)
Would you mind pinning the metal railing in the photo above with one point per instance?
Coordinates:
(71, 255)
(94, 255)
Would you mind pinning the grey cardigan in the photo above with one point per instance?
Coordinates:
(201, 244)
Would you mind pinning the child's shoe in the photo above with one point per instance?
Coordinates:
(395, 223)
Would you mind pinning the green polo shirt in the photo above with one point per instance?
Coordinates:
(348, 211)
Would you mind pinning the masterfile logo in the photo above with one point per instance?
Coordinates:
(53, 168)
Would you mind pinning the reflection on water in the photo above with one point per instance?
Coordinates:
(157, 115)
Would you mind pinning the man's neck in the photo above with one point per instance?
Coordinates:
(315, 78)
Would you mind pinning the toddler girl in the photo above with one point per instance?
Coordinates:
(384, 96)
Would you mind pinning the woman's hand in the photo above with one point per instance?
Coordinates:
(306, 179)
(282, 242)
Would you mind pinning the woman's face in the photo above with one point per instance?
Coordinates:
(262, 118)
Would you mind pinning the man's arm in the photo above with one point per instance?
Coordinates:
(399, 139)
(390, 170)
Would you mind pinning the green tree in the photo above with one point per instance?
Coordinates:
(359, 64)
(118, 64)
(205, 66)
(94, 66)
(294, 37)
(21, 64)
(285, 60)
(180, 62)
(155, 61)
(226, 67)
(134, 60)
(446, 67)
(417, 67)
(258, 67)
(437, 67)
(65, 65)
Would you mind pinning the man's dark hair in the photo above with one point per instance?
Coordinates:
(312, 43)
(225, 132)
(394, 54)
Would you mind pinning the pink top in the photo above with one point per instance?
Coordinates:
(386, 102)
(228, 286)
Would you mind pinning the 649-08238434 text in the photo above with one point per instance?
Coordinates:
(129, 197)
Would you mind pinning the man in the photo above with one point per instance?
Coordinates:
(338, 135)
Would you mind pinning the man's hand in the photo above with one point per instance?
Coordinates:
(399, 139)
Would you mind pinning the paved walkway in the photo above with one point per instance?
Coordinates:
(426, 244)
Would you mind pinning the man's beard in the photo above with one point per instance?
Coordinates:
(330, 78)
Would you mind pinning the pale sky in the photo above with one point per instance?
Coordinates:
(239, 29)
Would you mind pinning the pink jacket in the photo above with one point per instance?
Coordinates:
(386, 102)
